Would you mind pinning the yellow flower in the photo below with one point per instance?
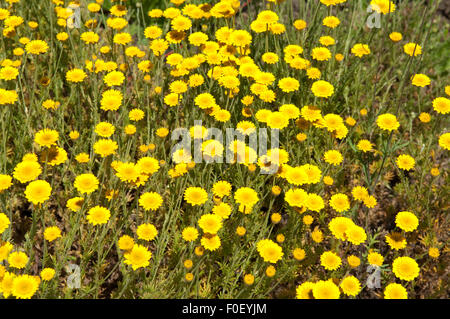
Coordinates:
(86, 183)
(189, 234)
(388, 122)
(75, 75)
(94, 7)
(150, 201)
(296, 197)
(36, 47)
(188, 264)
(5, 182)
(299, 254)
(223, 210)
(370, 201)
(353, 261)
(52, 233)
(405, 162)
(270, 58)
(46, 137)
(240, 231)
(441, 105)
(128, 172)
(331, 22)
(360, 50)
(444, 141)
(8, 96)
(162, 132)
(360, 193)
(313, 73)
(321, 54)
(146, 232)
(322, 89)
(275, 218)
(138, 257)
(269, 250)
(8, 73)
(382, 6)
(125, 242)
(98, 215)
(17, 259)
(405, 268)
(350, 286)
(25, 286)
(304, 291)
(412, 49)
(356, 235)
(136, 115)
(435, 171)
(4, 222)
(4, 250)
(339, 202)
(240, 38)
(27, 171)
(424, 117)
(395, 36)
(195, 196)
(82, 158)
(406, 221)
(365, 146)
(246, 196)
(433, 252)
(111, 100)
(328, 180)
(62, 36)
(270, 271)
(339, 225)
(122, 38)
(330, 261)
(249, 279)
(148, 165)
(104, 129)
(325, 290)
(153, 32)
(277, 120)
(327, 40)
(38, 191)
(395, 291)
(221, 189)
(105, 147)
(114, 78)
(89, 37)
(314, 203)
(375, 259)
(181, 23)
(280, 238)
(333, 157)
(210, 242)
(47, 274)
(75, 203)
(420, 80)
(189, 276)
(300, 24)
(288, 84)
(396, 240)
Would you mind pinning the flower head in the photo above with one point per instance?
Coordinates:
(38, 191)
